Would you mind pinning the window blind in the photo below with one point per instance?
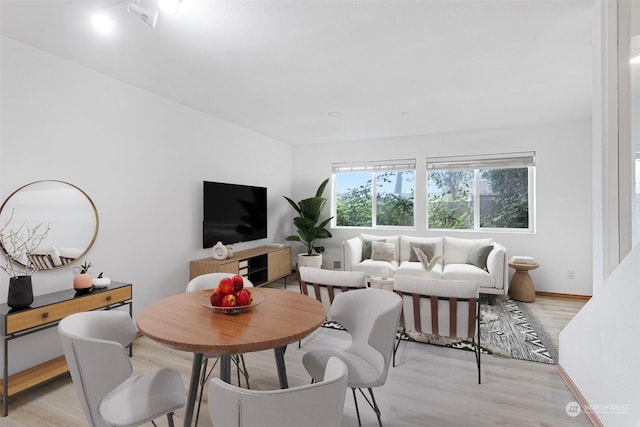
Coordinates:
(492, 161)
(374, 166)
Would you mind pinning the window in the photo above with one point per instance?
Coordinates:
(481, 192)
(360, 203)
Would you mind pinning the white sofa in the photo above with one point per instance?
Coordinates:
(462, 259)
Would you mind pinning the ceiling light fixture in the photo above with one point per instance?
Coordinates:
(334, 114)
(102, 23)
(169, 7)
(148, 16)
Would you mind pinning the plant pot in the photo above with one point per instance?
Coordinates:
(313, 260)
(20, 292)
(82, 283)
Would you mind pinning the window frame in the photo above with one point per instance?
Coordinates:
(373, 167)
(482, 162)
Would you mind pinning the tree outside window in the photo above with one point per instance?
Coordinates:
(479, 198)
(360, 204)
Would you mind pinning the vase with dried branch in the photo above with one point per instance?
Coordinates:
(19, 245)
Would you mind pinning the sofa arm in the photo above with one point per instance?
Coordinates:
(497, 266)
(351, 253)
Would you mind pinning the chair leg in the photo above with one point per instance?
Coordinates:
(375, 407)
(479, 347)
(170, 419)
(395, 347)
(355, 400)
(245, 372)
(371, 401)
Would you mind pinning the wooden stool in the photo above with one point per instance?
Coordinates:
(521, 287)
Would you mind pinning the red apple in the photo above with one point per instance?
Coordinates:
(229, 300)
(238, 283)
(243, 297)
(226, 286)
(216, 297)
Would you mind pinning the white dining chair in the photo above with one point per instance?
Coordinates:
(320, 404)
(371, 317)
(211, 281)
(94, 347)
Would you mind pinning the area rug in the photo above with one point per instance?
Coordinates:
(507, 329)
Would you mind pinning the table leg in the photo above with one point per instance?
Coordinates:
(225, 368)
(282, 369)
(193, 388)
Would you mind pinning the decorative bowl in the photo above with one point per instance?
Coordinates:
(257, 299)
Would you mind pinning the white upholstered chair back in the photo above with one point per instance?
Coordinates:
(439, 307)
(446, 308)
(313, 405)
(324, 285)
(210, 281)
(94, 347)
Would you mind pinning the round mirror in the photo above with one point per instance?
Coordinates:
(61, 213)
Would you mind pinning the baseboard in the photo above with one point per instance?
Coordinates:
(579, 397)
(565, 296)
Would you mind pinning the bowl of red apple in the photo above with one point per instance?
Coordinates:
(230, 297)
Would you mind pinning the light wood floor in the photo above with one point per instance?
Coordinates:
(430, 386)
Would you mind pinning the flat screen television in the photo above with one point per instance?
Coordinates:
(233, 213)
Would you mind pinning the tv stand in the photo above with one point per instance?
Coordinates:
(261, 265)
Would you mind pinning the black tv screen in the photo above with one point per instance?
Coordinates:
(233, 213)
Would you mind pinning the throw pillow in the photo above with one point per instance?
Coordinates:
(366, 247)
(478, 256)
(429, 249)
(383, 251)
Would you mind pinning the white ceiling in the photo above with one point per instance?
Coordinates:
(391, 68)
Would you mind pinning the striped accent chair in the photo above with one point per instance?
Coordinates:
(446, 308)
(324, 285)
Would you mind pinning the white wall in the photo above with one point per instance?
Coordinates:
(562, 240)
(142, 160)
(599, 347)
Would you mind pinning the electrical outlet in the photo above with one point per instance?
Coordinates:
(337, 265)
(571, 274)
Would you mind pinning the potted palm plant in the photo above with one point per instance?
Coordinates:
(310, 227)
(19, 245)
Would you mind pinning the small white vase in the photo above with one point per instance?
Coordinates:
(219, 251)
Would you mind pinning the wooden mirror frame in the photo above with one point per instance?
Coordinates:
(66, 209)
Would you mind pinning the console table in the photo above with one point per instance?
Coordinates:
(260, 265)
(45, 312)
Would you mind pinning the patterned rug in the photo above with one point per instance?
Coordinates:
(507, 329)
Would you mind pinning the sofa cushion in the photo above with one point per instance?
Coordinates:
(382, 251)
(415, 269)
(468, 272)
(388, 239)
(429, 249)
(478, 256)
(367, 246)
(456, 251)
(376, 268)
(405, 245)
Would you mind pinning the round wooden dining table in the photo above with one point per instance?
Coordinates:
(184, 322)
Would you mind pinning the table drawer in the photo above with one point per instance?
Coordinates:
(103, 299)
(40, 316)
